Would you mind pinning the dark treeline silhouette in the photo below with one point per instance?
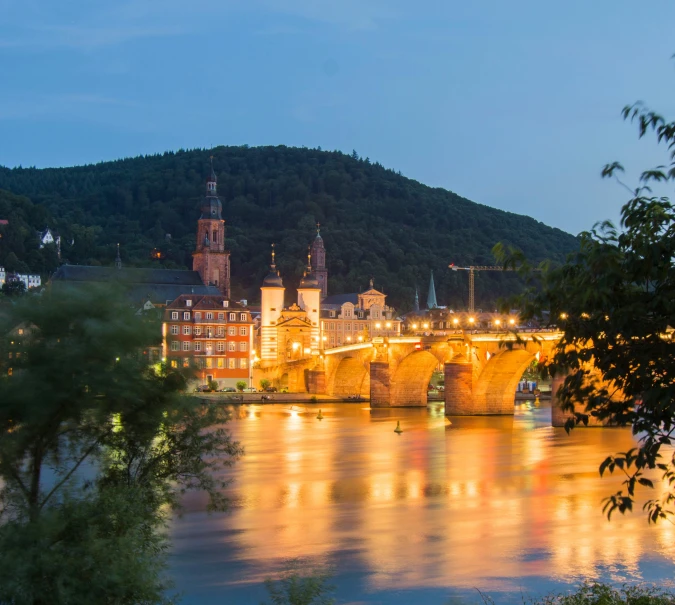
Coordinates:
(375, 222)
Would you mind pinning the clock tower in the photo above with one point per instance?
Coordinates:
(210, 259)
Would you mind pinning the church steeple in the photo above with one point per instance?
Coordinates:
(318, 262)
(212, 181)
(431, 298)
(416, 306)
(211, 260)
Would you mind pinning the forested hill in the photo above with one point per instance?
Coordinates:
(374, 221)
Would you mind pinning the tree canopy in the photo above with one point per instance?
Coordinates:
(375, 222)
(614, 299)
(94, 445)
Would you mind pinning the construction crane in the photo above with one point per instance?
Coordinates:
(472, 269)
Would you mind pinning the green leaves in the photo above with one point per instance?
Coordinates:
(614, 300)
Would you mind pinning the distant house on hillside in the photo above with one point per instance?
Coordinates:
(29, 281)
(50, 237)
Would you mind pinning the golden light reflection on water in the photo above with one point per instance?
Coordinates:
(481, 502)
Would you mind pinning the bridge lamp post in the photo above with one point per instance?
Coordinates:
(360, 339)
(414, 326)
(455, 322)
(498, 323)
(512, 321)
(349, 339)
(425, 326)
(378, 325)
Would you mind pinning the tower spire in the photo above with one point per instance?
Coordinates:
(318, 228)
(212, 181)
(431, 298)
(309, 260)
(118, 258)
(416, 306)
(273, 266)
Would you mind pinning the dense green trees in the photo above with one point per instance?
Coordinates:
(375, 223)
(614, 299)
(94, 446)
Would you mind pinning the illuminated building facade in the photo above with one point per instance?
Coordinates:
(210, 335)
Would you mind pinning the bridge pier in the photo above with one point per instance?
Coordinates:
(380, 384)
(459, 400)
(316, 382)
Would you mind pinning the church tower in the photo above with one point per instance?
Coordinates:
(318, 266)
(210, 259)
(271, 306)
(309, 300)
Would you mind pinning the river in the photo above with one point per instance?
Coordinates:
(508, 505)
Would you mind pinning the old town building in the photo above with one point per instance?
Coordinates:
(210, 335)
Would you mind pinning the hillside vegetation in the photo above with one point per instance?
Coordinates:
(375, 222)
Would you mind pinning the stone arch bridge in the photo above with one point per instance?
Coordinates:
(482, 369)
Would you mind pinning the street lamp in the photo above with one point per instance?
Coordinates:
(425, 326)
(498, 322)
(512, 321)
(455, 321)
(414, 326)
(471, 320)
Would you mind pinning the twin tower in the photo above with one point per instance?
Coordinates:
(303, 319)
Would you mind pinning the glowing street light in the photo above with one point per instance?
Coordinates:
(360, 339)
(378, 325)
(296, 346)
(512, 321)
(498, 322)
(455, 321)
(425, 326)
(414, 326)
(349, 338)
(388, 324)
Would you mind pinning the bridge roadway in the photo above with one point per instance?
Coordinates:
(482, 369)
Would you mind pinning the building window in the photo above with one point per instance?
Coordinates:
(186, 330)
(243, 363)
(174, 363)
(232, 363)
(186, 362)
(348, 327)
(198, 346)
(186, 346)
(231, 346)
(348, 312)
(220, 331)
(360, 314)
(174, 345)
(233, 317)
(220, 363)
(243, 346)
(174, 314)
(332, 313)
(221, 347)
(242, 316)
(226, 303)
(209, 316)
(188, 303)
(242, 331)
(231, 331)
(221, 315)
(198, 315)
(186, 315)
(198, 331)
(209, 363)
(174, 330)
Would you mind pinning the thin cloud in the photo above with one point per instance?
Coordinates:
(84, 37)
(57, 104)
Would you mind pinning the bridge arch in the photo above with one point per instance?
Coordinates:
(351, 377)
(495, 387)
(409, 382)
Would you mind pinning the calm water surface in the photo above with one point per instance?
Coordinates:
(501, 504)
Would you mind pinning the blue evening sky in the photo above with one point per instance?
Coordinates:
(511, 103)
